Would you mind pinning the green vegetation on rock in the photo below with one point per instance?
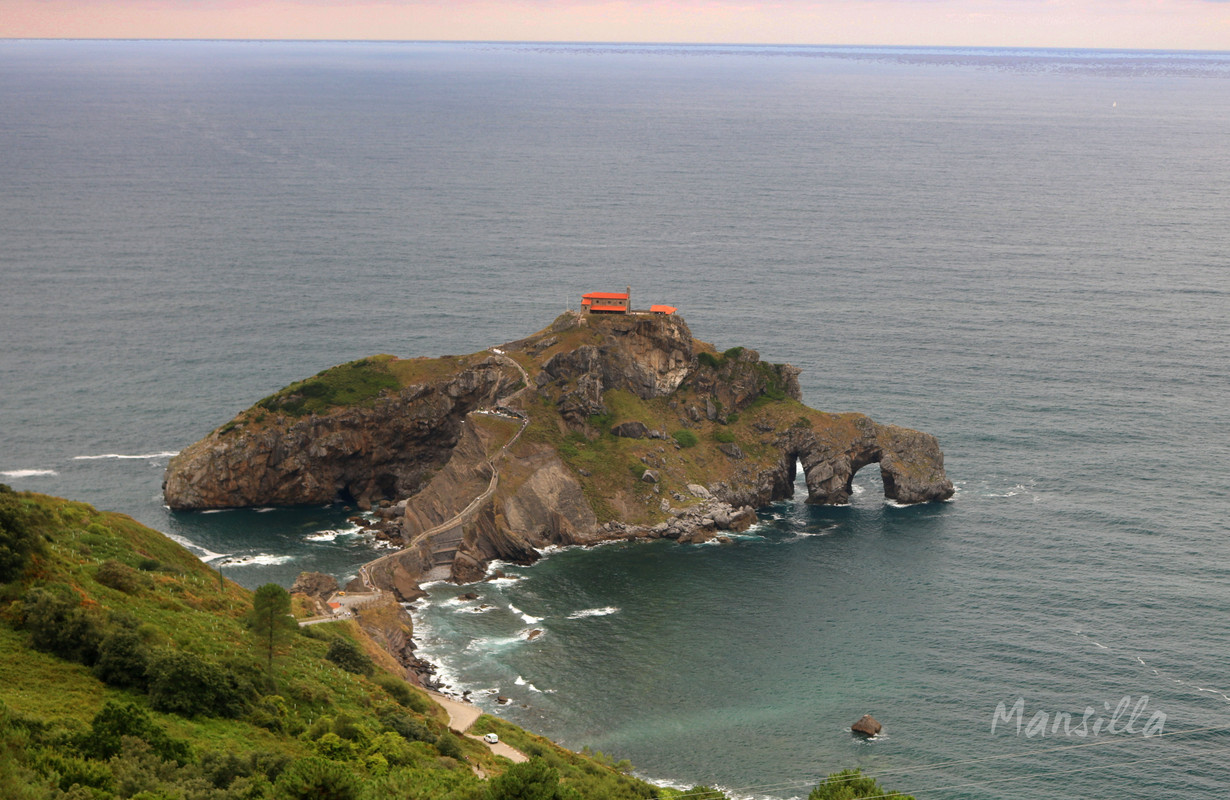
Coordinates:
(344, 385)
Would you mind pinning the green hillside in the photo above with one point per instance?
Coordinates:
(130, 670)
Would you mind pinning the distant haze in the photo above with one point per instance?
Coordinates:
(1131, 24)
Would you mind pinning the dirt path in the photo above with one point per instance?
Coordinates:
(461, 717)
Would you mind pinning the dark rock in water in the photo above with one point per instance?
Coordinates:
(502, 700)
(534, 634)
(867, 726)
(468, 596)
(631, 430)
(314, 584)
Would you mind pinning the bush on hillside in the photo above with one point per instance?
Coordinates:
(685, 438)
(19, 539)
(58, 624)
(316, 778)
(852, 784)
(186, 684)
(123, 658)
(116, 721)
(347, 655)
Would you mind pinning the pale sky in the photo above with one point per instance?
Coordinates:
(1135, 24)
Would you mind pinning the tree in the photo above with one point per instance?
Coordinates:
(271, 620)
(852, 784)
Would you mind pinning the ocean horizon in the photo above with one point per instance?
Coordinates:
(1020, 251)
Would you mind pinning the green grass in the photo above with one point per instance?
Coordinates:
(344, 385)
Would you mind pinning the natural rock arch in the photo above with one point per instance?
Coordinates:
(911, 464)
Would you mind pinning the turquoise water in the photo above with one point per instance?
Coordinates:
(1022, 252)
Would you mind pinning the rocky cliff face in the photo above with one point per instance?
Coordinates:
(594, 428)
(383, 450)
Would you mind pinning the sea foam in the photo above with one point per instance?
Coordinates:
(593, 612)
(163, 454)
(28, 473)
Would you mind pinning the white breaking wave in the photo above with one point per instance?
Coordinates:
(163, 454)
(523, 682)
(329, 534)
(261, 560)
(594, 612)
(28, 473)
(529, 620)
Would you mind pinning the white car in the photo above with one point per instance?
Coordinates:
(491, 738)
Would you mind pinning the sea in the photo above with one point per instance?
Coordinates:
(1023, 252)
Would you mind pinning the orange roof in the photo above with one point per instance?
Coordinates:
(586, 301)
(606, 295)
(608, 308)
(663, 309)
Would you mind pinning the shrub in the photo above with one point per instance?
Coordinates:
(123, 658)
(708, 360)
(733, 352)
(705, 793)
(58, 624)
(316, 778)
(401, 692)
(186, 684)
(120, 577)
(529, 780)
(408, 727)
(725, 437)
(801, 422)
(449, 745)
(19, 538)
(335, 747)
(349, 657)
(852, 784)
(685, 438)
(116, 721)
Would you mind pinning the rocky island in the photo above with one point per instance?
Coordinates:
(598, 427)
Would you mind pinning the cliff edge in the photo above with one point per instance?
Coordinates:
(596, 427)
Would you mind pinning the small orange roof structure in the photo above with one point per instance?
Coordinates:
(662, 309)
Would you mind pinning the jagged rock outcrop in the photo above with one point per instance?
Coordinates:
(649, 356)
(314, 584)
(362, 454)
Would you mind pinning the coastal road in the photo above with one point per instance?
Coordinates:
(461, 717)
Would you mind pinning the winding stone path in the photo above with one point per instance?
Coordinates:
(461, 516)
